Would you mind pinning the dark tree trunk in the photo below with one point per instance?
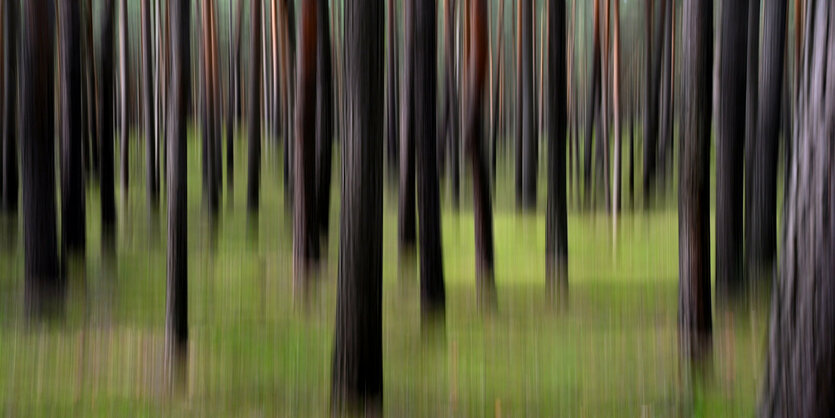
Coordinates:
(43, 282)
(593, 102)
(730, 144)
(357, 379)
(149, 108)
(305, 225)
(653, 66)
(695, 325)
(234, 109)
(392, 86)
(93, 103)
(72, 141)
(124, 63)
(9, 175)
(450, 124)
(432, 293)
(108, 202)
(176, 305)
(474, 137)
(406, 215)
(665, 127)
(324, 119)
(752, 90)
(254, 176)
(211, 131)
(800, 369)
(618, 115)
(556, 221)
(498, 93)
(526, 196)
(761, 219)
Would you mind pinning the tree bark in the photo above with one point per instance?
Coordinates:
(451, 124)
(150, 108)
(800, 366)
(665, 127)
(108, 202)
(392, 86)
(593, 102)
(357, 379)
(176, 305)
(72, 183)
(44, 285)
(761, 219)
(729, 150)
(653, 66)
(324, 119)
(616, 99)
(305, 225)
(432, 292)
(124, 63)
(406, 216)
(556, 220)
(526, 196)
(695, 325)
(254, 170)
(10, 178)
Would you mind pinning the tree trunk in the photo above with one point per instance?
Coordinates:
(406, 218)
(593, 101)
(651, 111)
(526, 196)
(603, 170)
(616, 96)
(254, 175)
(108, 202)
(9, 176)
(695, 325)
(665, 100)
(176, 304)
(357, 374)
(149, 108)
(556, 220)
(450, 124)
(729, 150)
(392, 89)
(324, 119)
(72, 182)
(800, 371)
(210, 128)
(498, 95)
(124, 63)
(305, 225)
(432, 293)
(44, 285)
(761, 219)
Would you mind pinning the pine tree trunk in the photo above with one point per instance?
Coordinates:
(695, 325)
(44, 285)
(9, 176)
(406, 216)
(254, 170)
(593, 102)
(124, 63)
(176, 306)
(432, 292)
(392, 86)
(357, 374)
(526, 197)
(800, 366)
(556, 221)
(761, 219)
(106, 98)
(616, 101)
(149, 108)
(72, 182)
(305, 225)
(729, 150)
(324, 119)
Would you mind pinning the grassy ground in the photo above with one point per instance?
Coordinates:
(261, 347)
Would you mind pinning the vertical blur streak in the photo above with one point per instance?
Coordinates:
(43, 283)
(72, 184)
(176, 309)
(357, 374)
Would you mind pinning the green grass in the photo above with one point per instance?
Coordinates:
(261, 347)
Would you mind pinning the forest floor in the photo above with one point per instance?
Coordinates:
(261, 346)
